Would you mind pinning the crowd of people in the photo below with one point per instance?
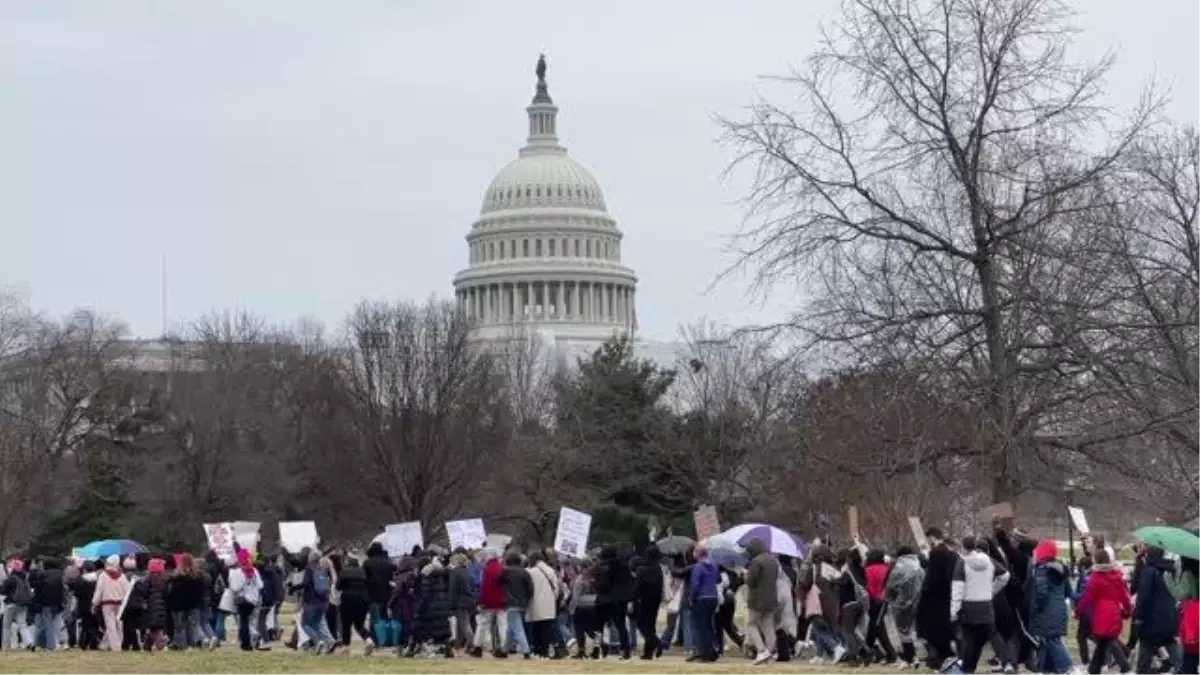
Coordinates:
(1003, 592)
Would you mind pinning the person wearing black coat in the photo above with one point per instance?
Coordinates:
(933, 609)
(152, 592)
(434, 608)
(647, 596)
(379, 571)
(1155, 614)
(89, 623)
(352, 583)
(49, 596)
(614, 590)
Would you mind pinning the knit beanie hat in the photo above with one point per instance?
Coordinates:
(1045, 550)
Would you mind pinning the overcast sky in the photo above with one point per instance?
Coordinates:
(291, 157)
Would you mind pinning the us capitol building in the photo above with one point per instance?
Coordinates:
(544, 256)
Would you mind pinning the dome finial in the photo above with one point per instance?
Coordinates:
(543, 94)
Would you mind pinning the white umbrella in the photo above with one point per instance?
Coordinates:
(777, 541)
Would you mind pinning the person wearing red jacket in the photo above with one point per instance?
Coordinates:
(493, 612)
(877, 571)
(1107, 602)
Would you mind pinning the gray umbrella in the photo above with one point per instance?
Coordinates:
(675, 544)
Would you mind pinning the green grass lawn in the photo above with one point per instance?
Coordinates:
(231, 660)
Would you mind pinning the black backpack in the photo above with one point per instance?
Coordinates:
(23, 595)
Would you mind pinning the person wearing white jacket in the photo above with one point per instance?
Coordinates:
(977, 579)
(246, 586)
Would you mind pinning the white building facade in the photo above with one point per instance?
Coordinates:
(544, 256)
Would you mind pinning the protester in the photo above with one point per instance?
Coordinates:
(246, 585)
(152, 589)
(434, 609)
(518, 592)
(582, 607)
(462, 600)
(1106, 604)
(356, 604)
(614, 591)
(933, 609)
(1048, 612)
(877, 571)
(185, 601)
(542, 612)
(111, 588)
(1155, 615)
(704, 598)
(648, 588)
(762, 600)
(18, 596)
(977, 579)
(902, 594)
(492, 618)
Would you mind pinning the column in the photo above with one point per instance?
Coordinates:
(575, 301)
(559, 311)
(605, 303)
(505, 303)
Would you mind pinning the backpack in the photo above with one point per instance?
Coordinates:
(320, 584)
(1189, 625)
(23, 595)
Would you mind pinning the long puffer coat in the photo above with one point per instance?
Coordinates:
(434, 608)
(154, 591)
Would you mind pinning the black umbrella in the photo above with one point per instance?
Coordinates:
(675, 544)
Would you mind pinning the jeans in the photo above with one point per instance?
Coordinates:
(974, 637)
(824, 637)
(14, 626)
(47, 629)
(668, 634)
(515, 635)
(187, 629)
(312, 621)
(563, 623)
(1052, 656)
(218, 623)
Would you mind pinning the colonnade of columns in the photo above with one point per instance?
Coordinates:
(548, 300)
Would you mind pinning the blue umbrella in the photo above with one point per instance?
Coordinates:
(106, 547)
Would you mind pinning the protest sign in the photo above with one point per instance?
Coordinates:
(997, 513)
(246, 534)
(468, 534)
(707, 523)
(1079, 519)
(220, 539)
(852, 515)
(400, 538)
(918, 532)
(296, 535)
(572, 536)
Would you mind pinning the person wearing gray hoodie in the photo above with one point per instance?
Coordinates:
(762, 599)
(977, 579)
(903, 592)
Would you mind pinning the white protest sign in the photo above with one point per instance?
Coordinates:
(468, 534)
(220, 539)
(1079, 519)
(572, 536)
(400, 538)
(296, 535)
(246, 534)
(918, 532)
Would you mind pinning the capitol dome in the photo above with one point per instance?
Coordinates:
(544, 256)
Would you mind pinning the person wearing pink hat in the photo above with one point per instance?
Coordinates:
(111, 588)
(152, 589)
(18, 596)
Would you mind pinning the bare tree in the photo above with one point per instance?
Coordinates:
(54, 376)
(932, 184)
(426, 409)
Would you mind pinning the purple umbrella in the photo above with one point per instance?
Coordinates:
(777, 541)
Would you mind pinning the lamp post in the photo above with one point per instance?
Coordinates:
(1070, 492)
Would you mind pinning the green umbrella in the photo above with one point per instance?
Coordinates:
(1172, 539)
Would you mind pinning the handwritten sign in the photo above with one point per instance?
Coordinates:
(468, 534)
(1080, 520)
(572, 535)
(707, 523)
(997, 513)
(852, 516)
(246, 534)
(220, 539)
(400, 538)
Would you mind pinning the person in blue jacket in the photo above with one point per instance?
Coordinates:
(1048, 609)
(702, 587)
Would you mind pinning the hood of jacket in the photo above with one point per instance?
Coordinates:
(1156, 558)
(978, 561)
(756, 547)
